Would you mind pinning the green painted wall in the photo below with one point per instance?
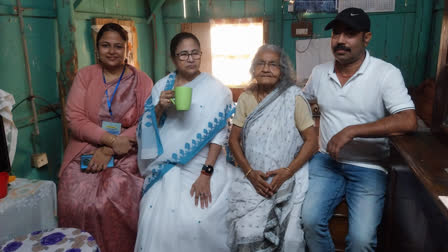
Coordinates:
(42, 41)
(42, 34)
(59, 42)
(136, 10)
(401, 37)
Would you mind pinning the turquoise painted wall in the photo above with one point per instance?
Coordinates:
(401, 37)
(136, 10)
(408, 38)
(42, 41)
(42, 34)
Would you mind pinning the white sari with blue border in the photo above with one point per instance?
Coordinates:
(270, 140)
(171, 155)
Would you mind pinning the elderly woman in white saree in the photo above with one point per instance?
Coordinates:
(186, 177)
(272, 139)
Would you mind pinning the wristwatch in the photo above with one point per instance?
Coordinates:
(207, 170)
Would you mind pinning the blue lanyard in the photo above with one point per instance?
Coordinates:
(109, 101)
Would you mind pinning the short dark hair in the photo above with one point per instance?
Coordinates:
(112, 27)
(179, 38)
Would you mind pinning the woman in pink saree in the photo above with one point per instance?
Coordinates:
(104, 106)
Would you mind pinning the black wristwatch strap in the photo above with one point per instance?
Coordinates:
(207, 169)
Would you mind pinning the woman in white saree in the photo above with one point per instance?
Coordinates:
(186, 177)
(272, 139)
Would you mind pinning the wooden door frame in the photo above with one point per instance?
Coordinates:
(443, 49)
(440, 106)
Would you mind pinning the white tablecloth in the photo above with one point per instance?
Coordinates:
(29, 206)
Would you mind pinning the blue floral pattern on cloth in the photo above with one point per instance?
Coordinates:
(202, 138)
(13, 246)
(73, 250)
(36, 232)
(182, 156)
(169, 86)
(149, 121)
(57, 240)
(52, 238)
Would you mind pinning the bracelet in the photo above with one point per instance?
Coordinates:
(207, 170)
(114, 138)
(248, 172)
(288, 169)
(206, 174)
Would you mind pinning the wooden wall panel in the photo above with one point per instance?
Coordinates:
(237, 8)
(202, 31)
(91, 6)
(407, 59)
(173, 9)
(443, 51)
(377, 45)
(400, 37)
(42, 44)
(254, 8)
(118, 7)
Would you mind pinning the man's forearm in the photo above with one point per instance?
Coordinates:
(399, 123)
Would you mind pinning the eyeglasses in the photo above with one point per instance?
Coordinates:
(195, 55)
(272, 65)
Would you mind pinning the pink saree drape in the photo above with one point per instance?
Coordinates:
(105, 204)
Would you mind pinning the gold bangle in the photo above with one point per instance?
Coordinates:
(114, 138)
(248, 172)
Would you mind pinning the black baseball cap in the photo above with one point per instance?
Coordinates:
(355, 18)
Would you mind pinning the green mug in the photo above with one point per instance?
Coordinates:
(182, 98)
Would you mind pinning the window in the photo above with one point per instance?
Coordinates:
(233, 46)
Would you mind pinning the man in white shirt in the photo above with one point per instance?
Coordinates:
(362, 100)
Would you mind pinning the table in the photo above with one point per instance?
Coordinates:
(29, 206)
(418, 218)
(427, 157)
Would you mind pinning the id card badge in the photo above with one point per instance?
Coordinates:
(111, 127)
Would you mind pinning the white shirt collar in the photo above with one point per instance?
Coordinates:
(361, 70)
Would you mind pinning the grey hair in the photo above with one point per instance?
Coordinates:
(288, 75)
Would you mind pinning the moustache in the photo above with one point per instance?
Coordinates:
(341, 47)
